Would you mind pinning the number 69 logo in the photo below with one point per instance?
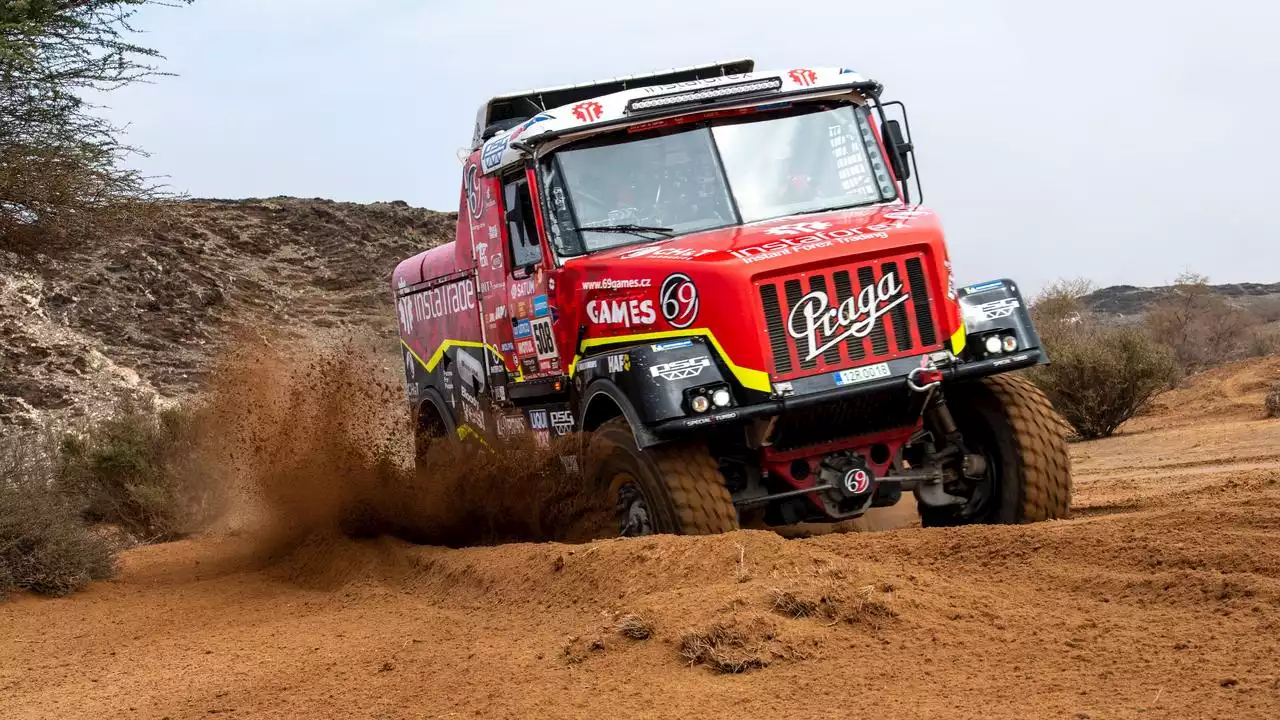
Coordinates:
(679, 298)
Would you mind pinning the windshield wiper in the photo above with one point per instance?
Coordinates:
(630, 229)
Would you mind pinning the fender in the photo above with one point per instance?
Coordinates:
(996, 307)
(432, 396)
(660, 379)
(602, 388)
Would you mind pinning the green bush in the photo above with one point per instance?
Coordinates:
(129, 468)
(1099, 376)
(45, 545)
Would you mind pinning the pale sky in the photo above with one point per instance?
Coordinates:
(1122, 141)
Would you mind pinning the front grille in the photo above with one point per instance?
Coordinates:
(843, 339)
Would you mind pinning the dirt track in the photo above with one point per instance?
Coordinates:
(1160, 598)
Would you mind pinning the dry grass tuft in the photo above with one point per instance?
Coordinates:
(787, 602)
(865, 605)
(722, 647)
(1272, 403)
(636, 627)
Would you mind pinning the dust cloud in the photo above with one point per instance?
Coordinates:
(313, 438)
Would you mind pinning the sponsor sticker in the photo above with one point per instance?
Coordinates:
(522, 288)
(679, 300)
(491, 155)
(658, 251)
(522, 329)
(612, 284)
(538, 419)
(589, 111)
(543, 338)
(540, 306)
(436, 303)
(627, 313)
(561, 421)
(587, 365)
(526, 347)
(863, 374)
(619, 363)
(680, 369)
(510, 425)
(994, 310)
(471, 184)
(673, 345)
(992, 285)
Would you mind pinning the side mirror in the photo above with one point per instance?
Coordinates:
(899, 148)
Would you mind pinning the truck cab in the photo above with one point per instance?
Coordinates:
(722, 281)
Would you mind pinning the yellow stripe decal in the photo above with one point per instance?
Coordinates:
(750, 379)
(958, 339)
(439, 353)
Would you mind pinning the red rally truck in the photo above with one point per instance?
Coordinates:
(719, 280)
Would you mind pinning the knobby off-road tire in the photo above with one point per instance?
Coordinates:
(683, 488)
(1015, 426)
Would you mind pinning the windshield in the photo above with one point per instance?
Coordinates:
(609, 191)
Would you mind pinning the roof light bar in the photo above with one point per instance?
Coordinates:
(709, 94)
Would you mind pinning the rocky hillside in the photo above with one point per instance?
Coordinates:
(148, 308)
(1129, 301)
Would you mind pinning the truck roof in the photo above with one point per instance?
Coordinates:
(525, 104)
(647, 100)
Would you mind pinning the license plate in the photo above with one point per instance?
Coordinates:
(861, 374)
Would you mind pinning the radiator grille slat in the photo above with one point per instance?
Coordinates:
(901, 335)
(794, 292)
(818, 283)
(844, 291)
(777, 329)
(920, 302)
(879, 342)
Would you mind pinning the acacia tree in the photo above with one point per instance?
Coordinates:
(61, 166)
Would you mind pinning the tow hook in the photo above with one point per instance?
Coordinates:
(924, 379)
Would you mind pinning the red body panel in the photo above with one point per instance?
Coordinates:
(727, 267)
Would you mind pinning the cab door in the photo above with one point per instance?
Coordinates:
(531, 312)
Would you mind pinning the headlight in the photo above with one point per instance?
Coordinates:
(700, 403)
(993, 344)
(721, 397)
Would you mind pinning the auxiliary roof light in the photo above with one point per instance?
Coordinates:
(705, 94)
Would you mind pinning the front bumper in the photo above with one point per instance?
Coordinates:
(780, 406)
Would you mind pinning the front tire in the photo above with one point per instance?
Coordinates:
(1010, 422)
(672, 489)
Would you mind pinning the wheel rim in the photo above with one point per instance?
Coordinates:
(634, 516)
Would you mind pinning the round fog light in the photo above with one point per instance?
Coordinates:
(720, 397)
(1010, 343)
(992, 345)
(700, 403)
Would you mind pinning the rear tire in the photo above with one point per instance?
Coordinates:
(1013, 424)
(672, 489)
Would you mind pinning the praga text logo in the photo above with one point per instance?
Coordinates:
(820, 326)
